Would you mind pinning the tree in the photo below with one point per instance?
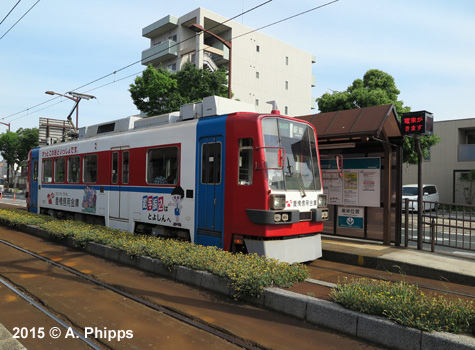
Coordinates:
(158, 91)
(377, 88)
(14, 147)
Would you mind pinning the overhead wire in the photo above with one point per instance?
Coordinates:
(176, 44)
(123, 68)
(8, 14)
(19, 19)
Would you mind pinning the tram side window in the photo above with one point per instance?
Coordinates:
(59, 169)
(35, 170)
(125, 167)
(47, 170)
(163, 166)
(74, 169)
(245, 161)
(90, 168)
(211, 163)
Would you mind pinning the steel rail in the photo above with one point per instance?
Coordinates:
(176, 315)
(23, 295)
(327, 284)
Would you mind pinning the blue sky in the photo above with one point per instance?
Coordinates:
(427, 46)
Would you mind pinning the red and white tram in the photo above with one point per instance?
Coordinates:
(238, 181)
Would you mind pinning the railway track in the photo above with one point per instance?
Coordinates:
(80, 333)
(445, 287)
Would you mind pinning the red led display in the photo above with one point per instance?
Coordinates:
(417, 123)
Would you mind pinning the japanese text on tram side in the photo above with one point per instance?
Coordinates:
(59, 152)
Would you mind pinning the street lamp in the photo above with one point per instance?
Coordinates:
(198, 29)
(76, 97)
(7, 124)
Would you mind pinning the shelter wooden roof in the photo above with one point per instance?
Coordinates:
(362, 123)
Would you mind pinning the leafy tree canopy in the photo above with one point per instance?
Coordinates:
(375, 89)
(14, 146)
(158, 91)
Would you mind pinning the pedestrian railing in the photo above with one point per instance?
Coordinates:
(443, 224)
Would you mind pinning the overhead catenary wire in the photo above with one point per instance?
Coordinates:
(176, 44)
(119, 70)
(8, 14)
(19, 19)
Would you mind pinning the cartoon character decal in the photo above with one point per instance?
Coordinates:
(177, 197)
(89, 200)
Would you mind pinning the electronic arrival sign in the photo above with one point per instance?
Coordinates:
(417, 123)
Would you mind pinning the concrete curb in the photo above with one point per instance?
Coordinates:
(316, 311)
(385, 264)
(7, 342)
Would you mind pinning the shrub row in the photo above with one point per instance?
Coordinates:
(249, 273)
(406, 304)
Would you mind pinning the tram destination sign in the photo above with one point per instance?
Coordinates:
(417, 123)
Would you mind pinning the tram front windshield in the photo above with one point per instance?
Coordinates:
(291, 155)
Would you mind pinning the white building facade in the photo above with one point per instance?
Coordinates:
(262, 68)
(450, 162)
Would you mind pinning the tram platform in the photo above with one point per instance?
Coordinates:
(451, 266)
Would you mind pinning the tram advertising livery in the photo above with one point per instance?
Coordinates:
(241, 181)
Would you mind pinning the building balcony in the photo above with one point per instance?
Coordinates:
(162, 52)
(466, 153)
(161, 26)
(218, 52)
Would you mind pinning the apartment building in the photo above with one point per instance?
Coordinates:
(450, 162)
(262, 68)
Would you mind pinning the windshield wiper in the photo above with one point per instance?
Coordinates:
(297, 178)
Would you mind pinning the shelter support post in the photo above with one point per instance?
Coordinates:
(388, 155)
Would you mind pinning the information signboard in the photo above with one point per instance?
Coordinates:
(351, 217)
(358, 183)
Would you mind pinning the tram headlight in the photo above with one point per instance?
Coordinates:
(322, 200)
(285, 217)
(277, 201)
(277, 217)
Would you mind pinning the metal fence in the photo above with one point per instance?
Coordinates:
(443, 224)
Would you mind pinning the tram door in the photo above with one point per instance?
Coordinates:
(33, 181)
(211, 192)
(118, 200)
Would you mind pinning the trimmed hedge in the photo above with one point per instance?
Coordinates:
(249, 273)
(406, 304)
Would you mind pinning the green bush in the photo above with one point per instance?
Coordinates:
(406, 304)
(248, 274)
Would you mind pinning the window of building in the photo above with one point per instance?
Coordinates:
(286, 110)
(125, 167)
(47, 170)
(163, 165)
(171, 67)
(470, 137)
(74, 169)
(172, 38)
(257, 75)
(59, 169)
(286, 85)
(286, 60)
(258, 48)
(245, 161)
(90, 168)
(257, 102)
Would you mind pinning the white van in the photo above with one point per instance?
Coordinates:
(431, 195)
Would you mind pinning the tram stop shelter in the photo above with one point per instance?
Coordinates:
(356, 148)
